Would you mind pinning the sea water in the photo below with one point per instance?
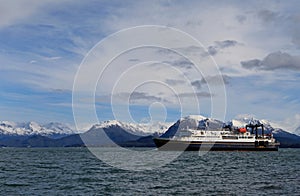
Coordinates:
(76, 171)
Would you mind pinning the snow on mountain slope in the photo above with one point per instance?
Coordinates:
(202, 122)
(33, 128)
(193, 118)
(59, 128)
(193, 122)
(141, 129)
(198, 121)
(56, 130)
(243, 120)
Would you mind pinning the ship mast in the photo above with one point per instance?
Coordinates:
(254, 125)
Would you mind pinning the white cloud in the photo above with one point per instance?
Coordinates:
(207, 26)
(273, 61)
(260, 27)
(13, 11)
(17, 11)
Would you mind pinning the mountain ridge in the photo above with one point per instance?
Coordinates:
(52, 129)
(116, 132)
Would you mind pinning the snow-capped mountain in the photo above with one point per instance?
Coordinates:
(200, 122)
(141, 129)
(125, 134)
(193, 122)
(59, 128)
(114, 132)
(285, 138)
(243, 120)
(53, 130)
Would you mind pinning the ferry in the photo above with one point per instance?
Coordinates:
(252, 137)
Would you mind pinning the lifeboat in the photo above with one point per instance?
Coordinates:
(242, 130)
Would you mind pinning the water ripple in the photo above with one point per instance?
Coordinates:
(75, 171)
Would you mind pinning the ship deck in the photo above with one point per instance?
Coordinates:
(181, 145)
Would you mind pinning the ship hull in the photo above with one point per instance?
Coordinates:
(177, 145)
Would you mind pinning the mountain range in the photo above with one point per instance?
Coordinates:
(32, 134)
(51, 130)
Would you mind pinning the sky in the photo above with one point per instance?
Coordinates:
(214, 58)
